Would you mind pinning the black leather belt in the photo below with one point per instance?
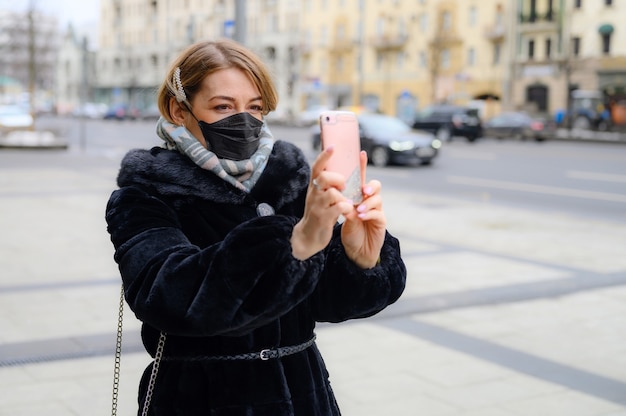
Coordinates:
(264, 355)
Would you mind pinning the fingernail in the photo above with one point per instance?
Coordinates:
(362, 215)
(368, 190)
(330, 148)
(361, 208)
(351, 202)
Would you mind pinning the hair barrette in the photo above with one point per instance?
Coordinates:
(180, 92)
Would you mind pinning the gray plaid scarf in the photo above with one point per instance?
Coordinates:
(242, 174)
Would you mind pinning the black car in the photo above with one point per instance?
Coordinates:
(389, 140)
(447, 121)
(520, 126)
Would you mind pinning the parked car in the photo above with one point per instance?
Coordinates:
(520, 126)
(310, 116)
(121, 112)
(447, 121)
(389, 140)
(151, 113)
(14, 117)
(91, 110)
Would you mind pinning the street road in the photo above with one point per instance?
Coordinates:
(586, 179)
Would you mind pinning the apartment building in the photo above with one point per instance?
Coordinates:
(75, 71)
(139, 39)
(566, 45)
(394, 56)
(273, 32)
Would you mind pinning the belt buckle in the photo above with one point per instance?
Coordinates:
(264, 355)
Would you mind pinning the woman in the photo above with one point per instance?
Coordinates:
(229, 252)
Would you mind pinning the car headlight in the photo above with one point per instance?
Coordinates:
(436, 144)
(398, 146)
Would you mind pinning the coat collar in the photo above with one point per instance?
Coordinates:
(169, 173)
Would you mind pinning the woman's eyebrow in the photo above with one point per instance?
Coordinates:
(232, 99)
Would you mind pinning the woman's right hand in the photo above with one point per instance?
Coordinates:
(324, 204)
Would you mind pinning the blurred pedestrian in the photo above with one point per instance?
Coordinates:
(230, 249)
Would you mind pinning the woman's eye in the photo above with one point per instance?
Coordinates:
(256, 108)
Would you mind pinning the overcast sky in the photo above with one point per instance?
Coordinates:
(83, 14)
(79, 12)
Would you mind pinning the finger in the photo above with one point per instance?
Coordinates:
(371, 188)
(327, 180)
(363, 160)
(321, 161)
(345, 208)
(372, 203)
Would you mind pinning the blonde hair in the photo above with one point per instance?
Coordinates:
(206, 57)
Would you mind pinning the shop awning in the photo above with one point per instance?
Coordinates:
(605, 29)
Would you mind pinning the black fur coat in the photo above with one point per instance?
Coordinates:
(200, 264)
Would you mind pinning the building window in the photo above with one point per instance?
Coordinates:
(471, 57)
(576, 46)
(423, 22)
(445, 59)
(606, 43)
(339, 65)
(578, 4)
(446, 21)
(531, 49)
(497, 53)
(608, 2)
(400, 60)
(472, 16)
(548, 48)
(423, 59)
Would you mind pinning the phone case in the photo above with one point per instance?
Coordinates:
(341, 130)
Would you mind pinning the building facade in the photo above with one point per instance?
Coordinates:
(396, 56)
(566, 45)
(393, 56)
(75, 71)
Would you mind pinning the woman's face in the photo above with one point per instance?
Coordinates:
(223, 94)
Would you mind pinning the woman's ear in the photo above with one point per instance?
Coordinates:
(178, 112)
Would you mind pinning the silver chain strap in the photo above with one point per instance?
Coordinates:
(118, 355)
(153, 375)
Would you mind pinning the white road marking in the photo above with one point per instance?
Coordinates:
(595, 176)
(538, 189)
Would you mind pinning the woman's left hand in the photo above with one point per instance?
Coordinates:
(363, 232)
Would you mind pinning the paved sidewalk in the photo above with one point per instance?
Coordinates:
(505, 313)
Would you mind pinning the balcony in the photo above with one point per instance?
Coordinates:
(538, 22)
(443, 39)
(495, 32)
(305, 47)
(389, 42)
(341, 45)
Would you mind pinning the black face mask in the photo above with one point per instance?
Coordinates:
(235, 137)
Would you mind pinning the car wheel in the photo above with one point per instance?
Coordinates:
(603, 125)
(444, 134)
(316, 142)
(581, 123)
(380, 157)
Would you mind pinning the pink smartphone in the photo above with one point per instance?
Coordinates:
(341, 130)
